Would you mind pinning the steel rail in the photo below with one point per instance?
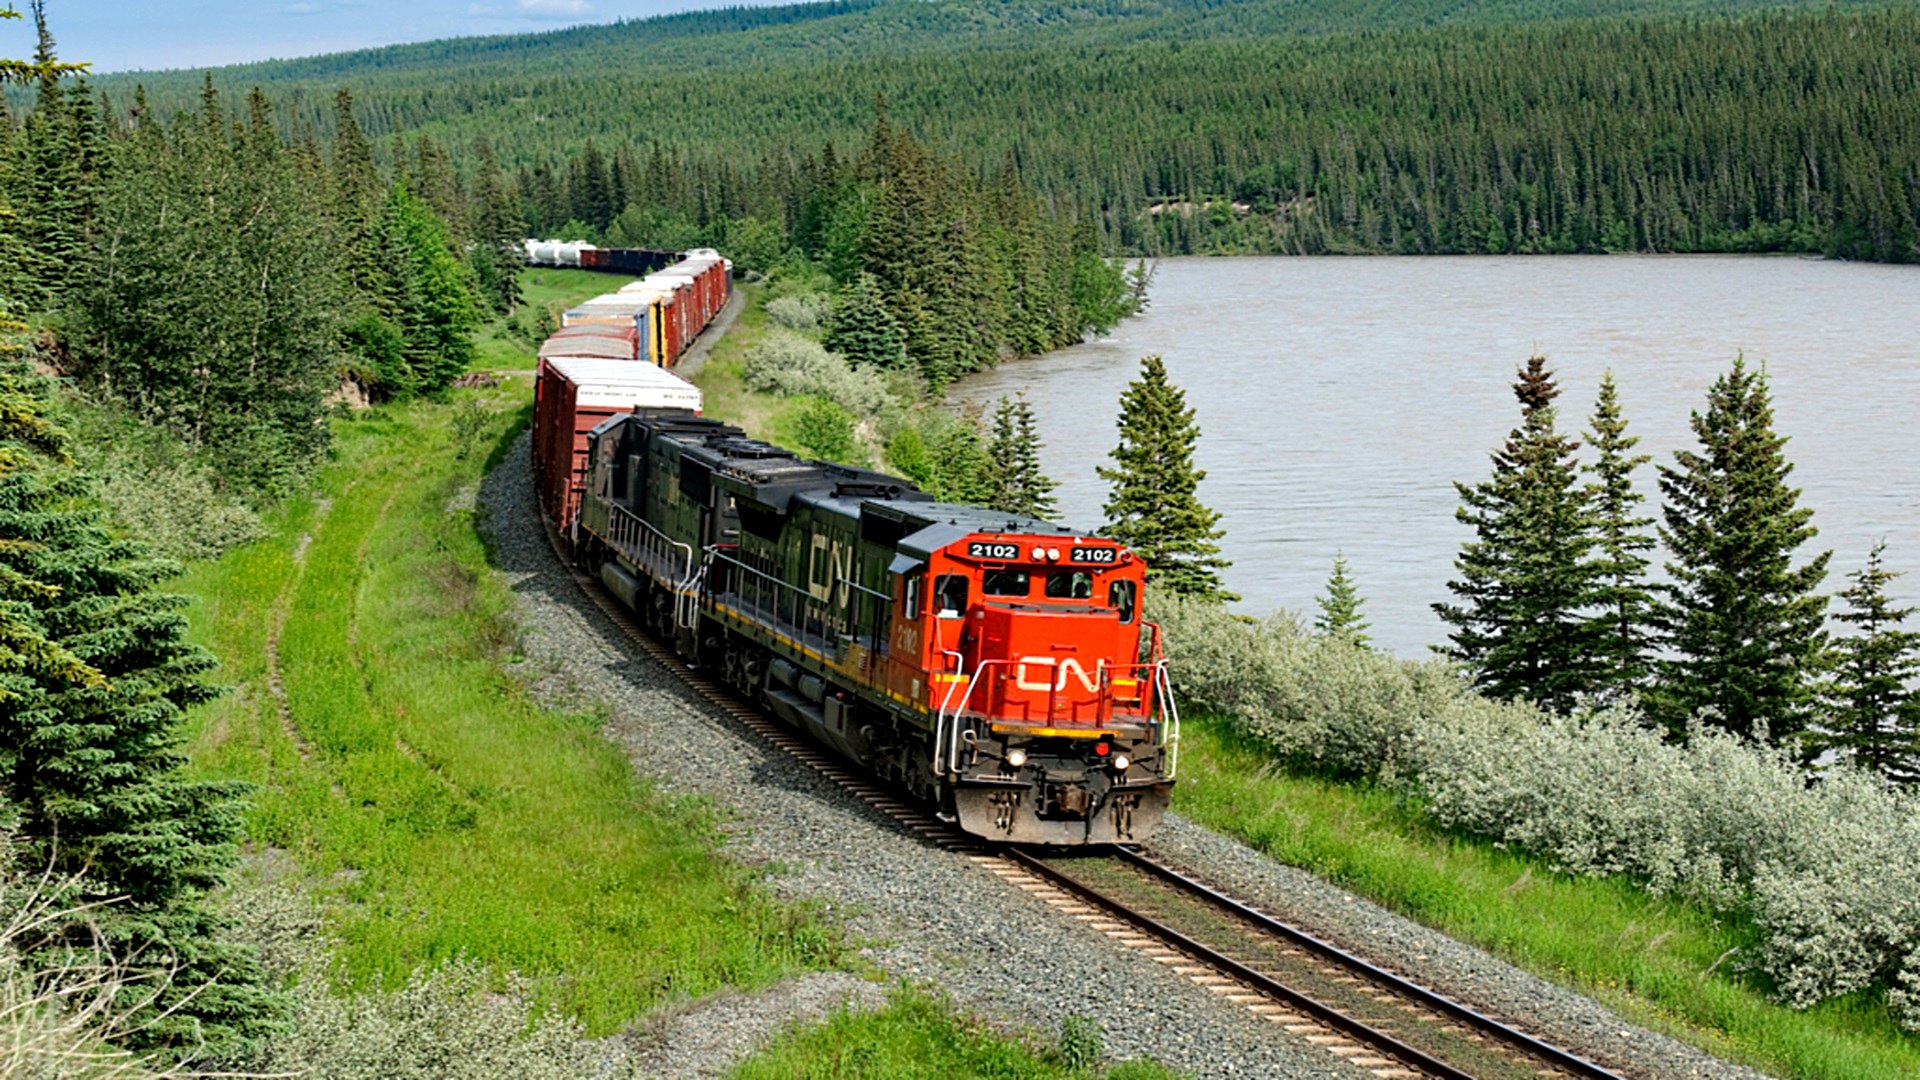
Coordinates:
(1411, 1056)
(1473, 1018)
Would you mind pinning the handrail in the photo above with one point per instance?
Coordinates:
(801, 603)
(620, 515)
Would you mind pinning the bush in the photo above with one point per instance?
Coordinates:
(789, 365)
(450, 1020)
(803, 312)
(1828, 871)
(179, 507)
(825, 430)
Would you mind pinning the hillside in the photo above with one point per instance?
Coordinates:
(1177, 125)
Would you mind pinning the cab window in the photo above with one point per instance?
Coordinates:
(913, 595)
(950, 595)
(1120, 598)
(1004, 583)
(1070, 585)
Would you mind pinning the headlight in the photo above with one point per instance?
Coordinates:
(1121, 763)
(1016, 757)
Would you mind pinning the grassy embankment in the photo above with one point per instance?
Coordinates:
(439, 812)
(1660, 963)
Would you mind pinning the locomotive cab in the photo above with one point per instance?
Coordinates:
(1046, 686)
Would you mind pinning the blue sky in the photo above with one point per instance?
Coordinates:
(124, 35)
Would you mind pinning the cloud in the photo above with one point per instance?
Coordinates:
(555, 8)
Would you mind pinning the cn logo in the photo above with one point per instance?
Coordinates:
(1054, 674)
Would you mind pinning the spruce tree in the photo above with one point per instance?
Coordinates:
(498, 231)
(430, 292)
(1019, 487)
(1153, 507)
(1742, 624)
(1340, 608)
(861, 328)
(1872, 709)
(1525, 575)
(1621, 627)
(95, 676)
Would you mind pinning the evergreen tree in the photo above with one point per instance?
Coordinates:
(95, 676)
(1621, 627)
(1743, 625)
(1153, 507)
(862, 329)
(1872, 709)
(1340, 608)
(1019, 487)
(52, 183)
(430, 293)
(498, 256)
(1525, 576)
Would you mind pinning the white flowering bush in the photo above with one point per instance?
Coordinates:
(805, 312)
(1829, 871)
(787, 364)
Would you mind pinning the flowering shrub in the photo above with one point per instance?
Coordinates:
(788, 364)
(805, 312)
(1828, 872)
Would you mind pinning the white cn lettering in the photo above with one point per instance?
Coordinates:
(1060, 668)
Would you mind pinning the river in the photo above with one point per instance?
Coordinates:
(1340, 398)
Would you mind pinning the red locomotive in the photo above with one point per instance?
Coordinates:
(995, 664)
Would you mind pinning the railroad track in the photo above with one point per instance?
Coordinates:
(1377, 1021)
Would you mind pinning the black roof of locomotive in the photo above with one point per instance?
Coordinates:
(773, 477)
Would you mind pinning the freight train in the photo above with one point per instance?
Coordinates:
(995, 665)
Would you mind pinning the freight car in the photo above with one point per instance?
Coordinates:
(663, 312)
(993, 664)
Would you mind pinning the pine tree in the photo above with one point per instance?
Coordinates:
(1743, 625)
(1621, 629)
(1525, 575)
(862, 329)
(1019, 487)
(1153, 507)
(1872, 708)
(498, 231)
(1340, 608)
(430, 292)
(95, 677)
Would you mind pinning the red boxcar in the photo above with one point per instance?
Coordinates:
(571, 397)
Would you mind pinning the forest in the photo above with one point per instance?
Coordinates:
(1229, 128)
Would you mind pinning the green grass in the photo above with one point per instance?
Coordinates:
(498, 348)
(918, 1038)
(1647, 958)
(439, 810)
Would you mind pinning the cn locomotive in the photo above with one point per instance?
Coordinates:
(994, 665)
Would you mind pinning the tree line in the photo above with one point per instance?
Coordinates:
(1554, 602)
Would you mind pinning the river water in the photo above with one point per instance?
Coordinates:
(1339, 398)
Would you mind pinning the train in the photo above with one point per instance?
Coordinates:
(996, 666)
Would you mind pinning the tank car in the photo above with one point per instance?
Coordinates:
(994, 664)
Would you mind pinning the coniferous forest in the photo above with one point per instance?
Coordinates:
(1233, 127)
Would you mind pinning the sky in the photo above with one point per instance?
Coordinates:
(128, 35)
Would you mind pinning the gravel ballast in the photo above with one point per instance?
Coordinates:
(926, 915)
